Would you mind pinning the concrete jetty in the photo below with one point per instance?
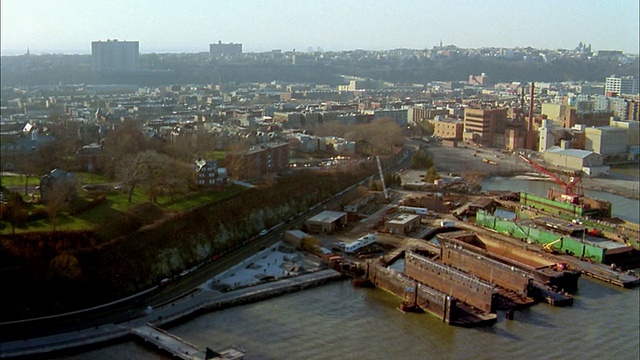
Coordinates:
(182, 349)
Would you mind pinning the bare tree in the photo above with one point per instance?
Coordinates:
(125, 141)
(16, 211)
(60, 198)
(150, 169)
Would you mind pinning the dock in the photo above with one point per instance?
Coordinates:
(180, 348)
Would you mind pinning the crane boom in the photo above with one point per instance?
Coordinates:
(385, 192)
(568, 186)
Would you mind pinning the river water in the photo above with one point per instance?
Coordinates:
(622, 207)
(339, 321)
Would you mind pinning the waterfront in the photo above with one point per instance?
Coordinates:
(339, 321)
(624, 208)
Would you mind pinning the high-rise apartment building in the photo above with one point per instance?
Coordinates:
(625, 85)
(220, 49)
(115, 56)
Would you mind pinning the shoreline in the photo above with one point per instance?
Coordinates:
(466, 159)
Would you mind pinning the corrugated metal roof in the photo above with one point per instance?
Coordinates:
(570, 152)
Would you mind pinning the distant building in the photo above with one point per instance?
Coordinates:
(57, 183)
(578, 160)
(209, 175)
(115, 56)
(447, 128)
(399, 116)
(481, 124)
(479, 80)
(17, 148)
(220, 49)
(607, 140)
(625, 85)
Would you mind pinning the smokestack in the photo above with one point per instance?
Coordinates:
(530, 127)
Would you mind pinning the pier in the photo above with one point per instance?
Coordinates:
(202, 301)
(182, 349)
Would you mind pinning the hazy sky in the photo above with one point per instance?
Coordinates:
(69, 26)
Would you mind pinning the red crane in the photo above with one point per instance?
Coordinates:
(572, 188)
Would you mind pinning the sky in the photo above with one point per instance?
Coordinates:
(69, 26)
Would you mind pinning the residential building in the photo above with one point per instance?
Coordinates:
(625, 85)
(115, 56)
(220, 49)
(209, 175)
(479, 80)
(259, 160)
(447, 128)
(17, 147)
(57, 184)
(399, 116)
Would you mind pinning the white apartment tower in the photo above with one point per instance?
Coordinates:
(115, 56)
(625, 85)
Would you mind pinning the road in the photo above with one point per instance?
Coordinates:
(136, 307)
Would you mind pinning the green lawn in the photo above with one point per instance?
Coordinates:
(18, 180)
(116, 203)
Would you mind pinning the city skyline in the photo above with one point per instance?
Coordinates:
(69, 26)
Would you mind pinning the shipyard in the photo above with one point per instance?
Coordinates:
(415, 200)
(459, 255)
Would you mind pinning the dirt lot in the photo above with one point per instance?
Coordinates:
(470, 159)
(464, 160)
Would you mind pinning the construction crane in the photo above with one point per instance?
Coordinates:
(385, 191)
(572, 187)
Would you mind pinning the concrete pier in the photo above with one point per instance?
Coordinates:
(176, 346)
(199, 302)
(182, 349)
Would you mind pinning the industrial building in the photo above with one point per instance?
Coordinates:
(326, 222)
(606, 140)
(403, 224)
(481, 124)
(115, 56)
(578, 160)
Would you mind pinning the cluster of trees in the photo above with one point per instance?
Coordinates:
(422, 160)
(379, 137)
(197, 68)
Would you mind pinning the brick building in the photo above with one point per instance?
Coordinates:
(259, 160)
